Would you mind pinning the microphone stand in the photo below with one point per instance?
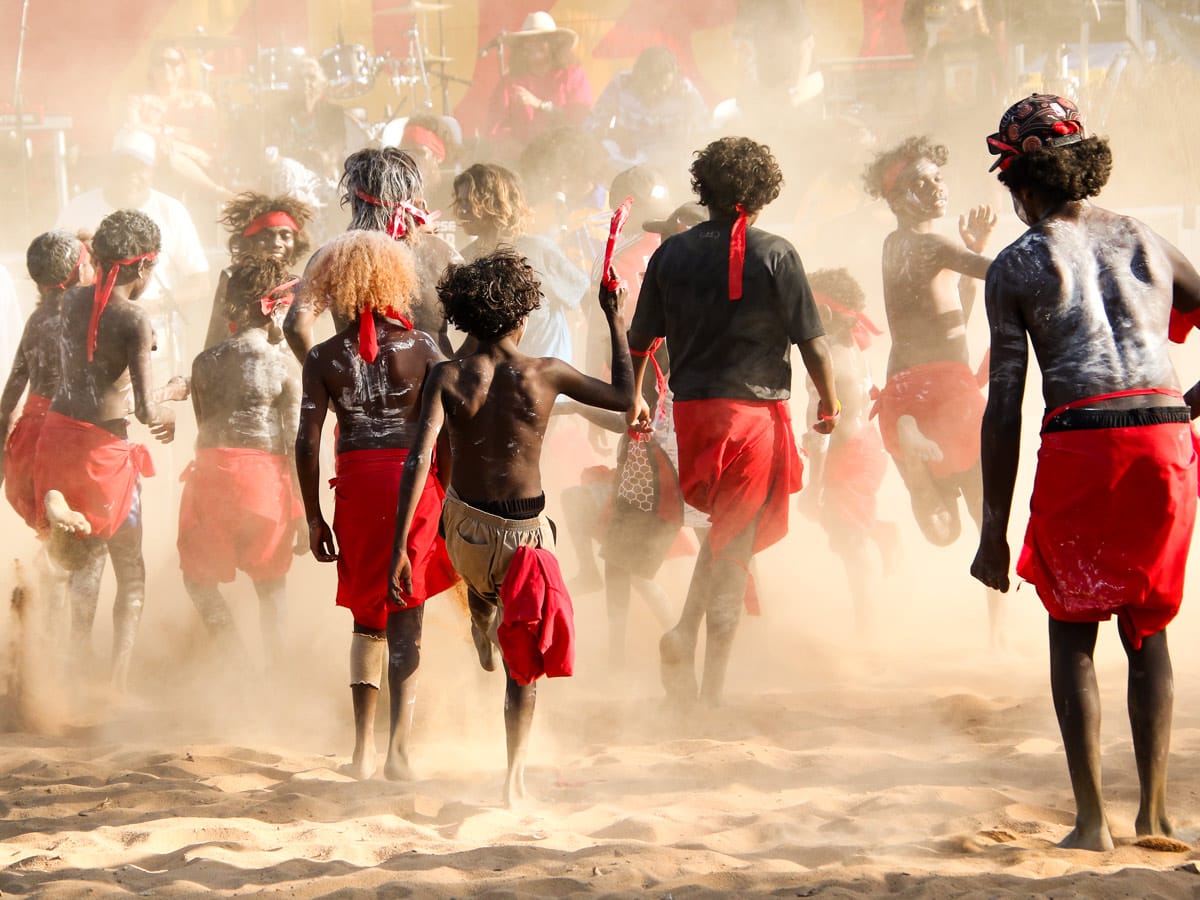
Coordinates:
(19, 107)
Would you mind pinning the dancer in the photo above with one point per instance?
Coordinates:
(730, 300)
(495, 404)
(371, 373)
(1114, 496)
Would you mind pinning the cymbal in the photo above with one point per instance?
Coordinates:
(414, 7)
(203, 41)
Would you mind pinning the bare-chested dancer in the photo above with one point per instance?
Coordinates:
(385, 193)
(931, 406)
(86, 468)
(264, 226)
(239, 508)
(372, 373)
(494, 404)
(1114, 497)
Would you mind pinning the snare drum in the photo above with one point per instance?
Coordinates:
(349, 69)
(277, 68)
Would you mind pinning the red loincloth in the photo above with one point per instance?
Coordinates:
(537, 636)
(19, 458)
(96, 471)
(1110, 523)
(238, 511)
(945, 399)
(738, 463)
(366, 491)
(854, 471)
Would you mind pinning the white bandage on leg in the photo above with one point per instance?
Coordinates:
(367, 654)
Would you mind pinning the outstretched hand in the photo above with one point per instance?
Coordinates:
(320, 541)
(991, 565)
(613, 299)
(163, 426)
(976, 227)
(400, 583)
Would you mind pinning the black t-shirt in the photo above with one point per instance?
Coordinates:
(734, 349)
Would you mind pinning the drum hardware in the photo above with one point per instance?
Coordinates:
(413, 8)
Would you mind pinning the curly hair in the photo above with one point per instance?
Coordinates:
(388, 174)
(489, 298)
(251, 278)
(440, 127)
(124, 234)
(562, 54)
(52, 257)
(880, 175)
(494, 195)
(838, 285)
(361, 270)
(238, 213)
(735, 170)
(1071, 172)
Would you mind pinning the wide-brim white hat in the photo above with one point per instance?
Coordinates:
(542, 24)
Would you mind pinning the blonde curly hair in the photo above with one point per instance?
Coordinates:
(358, 271)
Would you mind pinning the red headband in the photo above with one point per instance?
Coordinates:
(396, 225)
(892, 174)
(863, 327)
(269, 303)
(275, 219)
(101, 292)
(368, 334)
(423, 137)
(73, 278)
(737, 253)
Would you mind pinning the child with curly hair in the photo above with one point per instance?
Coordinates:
(494, 404)
(730, 300)
(371, 373)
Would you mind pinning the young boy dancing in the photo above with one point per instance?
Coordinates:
(495, 404)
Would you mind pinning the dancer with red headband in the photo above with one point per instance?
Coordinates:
(848, 466)
(494, 405)
(85, 466)
(372, 373)
(730, 300)
(385, 193)
(261, 225)
(932, 403)
(240, 508)
(1114, 496)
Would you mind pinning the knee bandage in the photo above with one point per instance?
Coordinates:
(367, 653)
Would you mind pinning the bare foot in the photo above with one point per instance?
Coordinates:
(360, 767)
(62, 517)
(914, 444)
(1153, 825)
(514, 788)
(396, 768)
(1097, 838)
(678, 668)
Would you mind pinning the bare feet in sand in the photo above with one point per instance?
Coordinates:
(514, 789)
(361, 767)
(914, 444)
(396, 768)
(62, 517)
(1088, 836)
(678, 667)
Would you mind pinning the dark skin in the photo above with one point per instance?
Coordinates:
(278, 241)
(246, 394)
(495, 405)
(1110, 335)
(377, 407)
(37, 364)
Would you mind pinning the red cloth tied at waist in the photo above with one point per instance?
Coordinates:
(738, 463)
(854, 471)
(1181, 324)
(945, 400)
(96, 471)
(537, 635)
(366, 492)
(238, 511)
(1110, 524)
(19, 456)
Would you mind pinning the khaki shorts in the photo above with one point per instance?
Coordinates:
(481, 546)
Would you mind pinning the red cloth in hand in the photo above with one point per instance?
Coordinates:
(537, 635)
(366, 492)
(946, 401)
(1181, 324)
(19, 458)
(238, 511)
(1110, 524)
(96, 471)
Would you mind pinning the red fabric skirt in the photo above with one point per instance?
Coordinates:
(854, 471)
(238, 511)
(19, 458)
(1110, 524)
(537, 636)
(738, 463)
(947, 404)
(366, 492)
(96, 471)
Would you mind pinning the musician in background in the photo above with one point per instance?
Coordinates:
(545, 87)
(309, 129)
(435, 143)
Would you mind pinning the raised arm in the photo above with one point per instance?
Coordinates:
(1001, 433)
(616, 394)
(412, 482)
(314, 406)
